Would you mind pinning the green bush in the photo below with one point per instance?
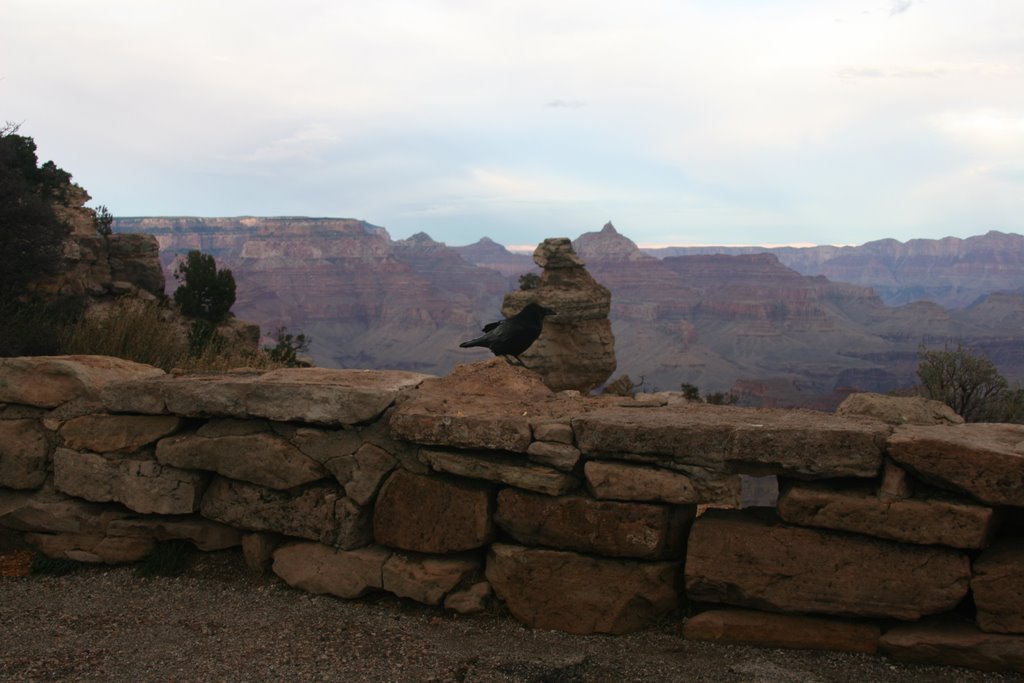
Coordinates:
(970, 384)
(206, 292)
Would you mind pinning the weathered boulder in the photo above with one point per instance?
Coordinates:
(927, 521)
(739, 559)
(319, 512)
(998, 587)
(984, 460)
(370, 465)
(579, 593)
(483, 405)
(804, 444)
(262, 458)
(953, 643)
(204, 534)
(139, 483)
(311, 395)
(899, 410)
(644, 531)
(555, 432)
(764, 629)
(331, 448)
(576, 349)
(470, 600)
(430, 514)
(609, 480)
(424, 578)
(116, 433)
(49, 381)
(500, 468)
(24, 454)
(258, 550)
(319, 569)
(561, 456)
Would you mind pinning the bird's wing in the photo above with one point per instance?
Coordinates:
(490, 326)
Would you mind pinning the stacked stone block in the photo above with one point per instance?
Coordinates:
(580, 514)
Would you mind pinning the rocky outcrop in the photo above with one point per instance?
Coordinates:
(576, 350)
(640, 498)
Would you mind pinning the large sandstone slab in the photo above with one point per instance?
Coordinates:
(502, 469)
(912, 520)
(310, 395)
(24, 454)
(644, 531)
(320, 569)
(116, 433)
(765, 629)
(805, 444)
(424, 423)
(49, 381)
(580, 593)
(610, 480)
(204, 534)
(424, 578)
(998, 587)
(140, 484)
(739, 559)
(953, 643)
(983, 460)
(318, 512)
(262, 458)
(431, 514)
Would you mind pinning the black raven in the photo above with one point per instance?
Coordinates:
(512, 336)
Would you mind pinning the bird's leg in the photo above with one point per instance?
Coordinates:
(518, 360)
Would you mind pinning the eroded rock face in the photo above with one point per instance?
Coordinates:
(581, 593)
(953, 643)
(734, 558)
(983, 460)
(998, 587)
(764, 629)
(24, 454)
(423, 578)
(958, 524)
(651, 532)
(319, 512)
(576, 350)
(609, 480)
(318, 568)
(116, 433)
(49, 381)
(899, 410)
(429, 514)
(139, 483)
(501, 468)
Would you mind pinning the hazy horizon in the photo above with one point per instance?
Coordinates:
(729, 122)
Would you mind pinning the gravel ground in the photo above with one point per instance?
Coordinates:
(218, 623)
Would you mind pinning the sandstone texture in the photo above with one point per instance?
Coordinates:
(614, 529)
(998, 587)
(312, 395)
(738, 559)
(425, 579)
(501, 468)
(764, 629)
(983, 460)
(140, 484)
(580, 593)
(24, 454)
(958, 524)
(433, 515)
(117, 433)
(953, 643)
(576, 350)
(899, 410)
(320, 569)
(261, 458)
(317, 512)
(49, 381)
(803, 444)
(609, 480)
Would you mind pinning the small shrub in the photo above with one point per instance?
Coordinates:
(528, 281)
(288, 348)
(132, 329)
(205, 292)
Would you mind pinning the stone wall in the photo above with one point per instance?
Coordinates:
(896, 529)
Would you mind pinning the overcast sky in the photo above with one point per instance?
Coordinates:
(700, 122)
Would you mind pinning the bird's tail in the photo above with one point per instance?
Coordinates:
(471, 342)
